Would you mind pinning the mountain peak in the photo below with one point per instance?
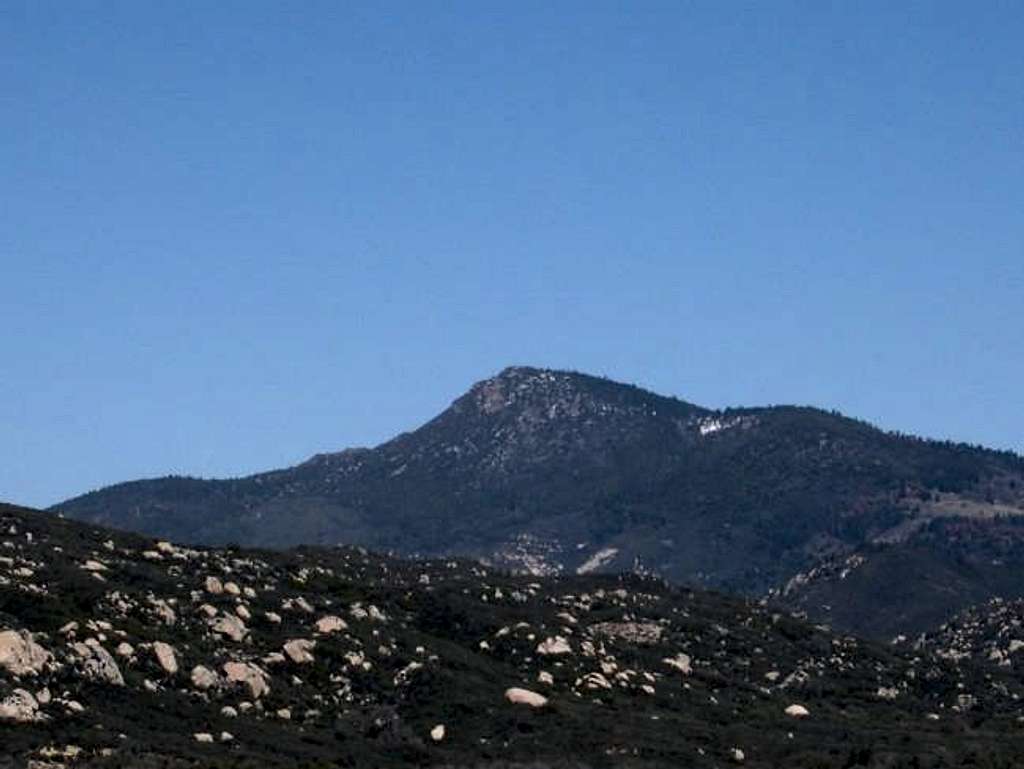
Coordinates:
(559, 393)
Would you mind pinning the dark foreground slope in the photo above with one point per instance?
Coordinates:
(353, 660)
(555, 472)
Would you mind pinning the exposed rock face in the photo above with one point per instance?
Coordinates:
(166, 657)
(249, 675)
(20, 655)
(19, 706)
(97, 663)
(518, 696)
(299, 650)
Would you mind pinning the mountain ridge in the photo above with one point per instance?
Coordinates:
(554, 471)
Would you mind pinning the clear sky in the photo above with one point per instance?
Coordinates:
(234, 234)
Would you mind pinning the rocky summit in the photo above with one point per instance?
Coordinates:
(555, 473)
(118, 650)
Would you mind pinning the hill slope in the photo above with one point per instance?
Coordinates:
(556, 472)
(119, 651)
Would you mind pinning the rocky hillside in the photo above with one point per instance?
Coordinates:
(122, 651)
(557, 473)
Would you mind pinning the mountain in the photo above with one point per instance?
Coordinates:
(117, 650)
(559, 472)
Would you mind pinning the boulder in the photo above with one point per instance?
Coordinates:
(229, 625)
(97, 663)
(249, 675)
(680, 662)
(554, 646)
(19, 706)
(330, 624)
(203, 678)
(797, 711)
(518, 696)
(299, 650)
(166, 657)
(20, 655)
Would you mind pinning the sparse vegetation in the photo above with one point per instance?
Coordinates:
(352, 659)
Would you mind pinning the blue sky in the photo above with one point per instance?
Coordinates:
(234, 234)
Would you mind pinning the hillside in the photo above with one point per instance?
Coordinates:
(555, 472)
(121, 651)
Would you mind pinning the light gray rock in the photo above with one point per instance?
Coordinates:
(300, 650)
(19, 706)
(166, 656)
(20, 655)
(97, 663)
(554, 647)
(330, 624)
(203, 678)
(247, 674)
(518, 696)
(231, 626)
